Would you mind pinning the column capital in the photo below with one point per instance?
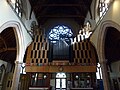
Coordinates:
(17, 62)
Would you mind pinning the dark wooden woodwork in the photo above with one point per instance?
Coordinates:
(62, 5)
(55, 68)
(61, 16)
(8, 47)
(47, 9)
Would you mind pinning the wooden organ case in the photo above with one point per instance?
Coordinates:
(83, 61)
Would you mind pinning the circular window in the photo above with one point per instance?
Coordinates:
(60, 32)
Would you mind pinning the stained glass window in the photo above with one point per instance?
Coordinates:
(60, 32)
(61, 36)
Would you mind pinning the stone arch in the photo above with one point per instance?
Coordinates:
(101, 37)
(100, 49)
(20, 50)
(19, 37)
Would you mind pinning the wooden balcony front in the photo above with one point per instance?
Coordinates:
(61, 66)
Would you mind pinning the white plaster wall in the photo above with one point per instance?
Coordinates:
(112, 14)
(27, 21)
(88, 17)
(8, 15)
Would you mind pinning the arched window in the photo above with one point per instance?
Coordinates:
(60, 32)
(17, 5)
(61, 75)
(61, 81)
(103, 7)
(61, 39)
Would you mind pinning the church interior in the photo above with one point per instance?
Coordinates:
(59, 45)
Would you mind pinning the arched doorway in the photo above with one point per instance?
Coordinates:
(12, 50)
(112, 51)
(8, 53)
(108, 37)
(60, 81)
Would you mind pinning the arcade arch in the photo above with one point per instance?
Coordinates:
(105, 27)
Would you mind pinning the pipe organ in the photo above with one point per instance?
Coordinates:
(38, 56)
(80, 67)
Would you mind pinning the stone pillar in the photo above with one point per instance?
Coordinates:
(1, 81)
(105, 76)
(16, 76)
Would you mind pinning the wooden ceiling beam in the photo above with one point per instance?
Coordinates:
(11, 49)
(2, 41)
(61, 5)
(60, 16)
(7, 49)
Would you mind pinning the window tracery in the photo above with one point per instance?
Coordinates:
(103, 7)
(17, 5)
(60, 32)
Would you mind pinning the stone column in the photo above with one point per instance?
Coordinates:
(1, 81)
(16, 76)
(105, 76)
